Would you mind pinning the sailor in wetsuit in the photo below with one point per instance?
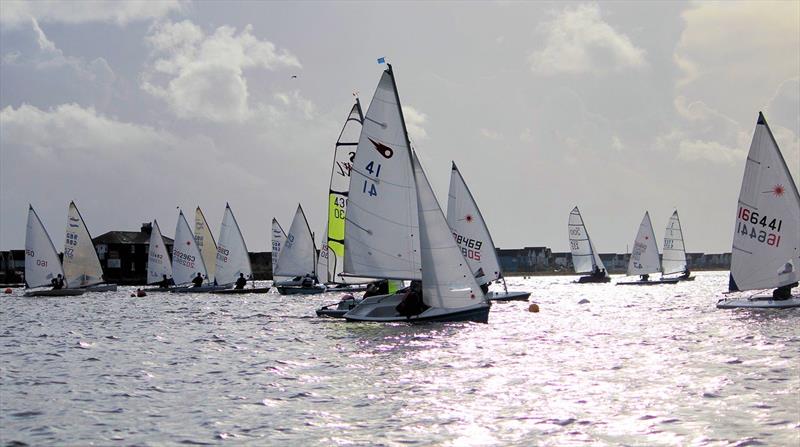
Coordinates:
(412, 304)
(240, 282)
(198, 280)
(57, 282)
(165, 282)
(783, 292)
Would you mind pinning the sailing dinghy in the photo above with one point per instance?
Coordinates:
(187, 261)
(42, 265)
(395, 228)
(278, 241)
(81, 263)
(206, 243)
(233, 260)
(766, 237)
(159, 266)
(644, 257)
(473, 238)
(585, 258)
(673, 258)
(298, 260)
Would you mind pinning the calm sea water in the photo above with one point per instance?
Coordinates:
(635, 366)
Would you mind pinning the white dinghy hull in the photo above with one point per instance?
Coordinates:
(649, 282)
(383, 309)
(759, 302)
(57, 292)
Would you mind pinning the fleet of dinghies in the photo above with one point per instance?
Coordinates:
(385, 228)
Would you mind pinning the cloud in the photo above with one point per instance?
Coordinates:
(414, 123)
(490, 134)
(712, 151)
(577, 41)
(202, 76)
(121, 12)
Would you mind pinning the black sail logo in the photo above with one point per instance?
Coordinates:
(384, 150)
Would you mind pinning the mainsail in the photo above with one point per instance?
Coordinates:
(673, 258)
(322, 260)
(158, 263)
(447, 280)
(333, 243)
(205, 242)
(381, 225)
(644, 256)
(187, 261)
(278, 241)
(584, 256)
(298, 255)
(81, 264)
(232, 256)
(766, 238)
(470, 230)
(41, 259)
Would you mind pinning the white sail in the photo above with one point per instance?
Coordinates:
(298, 255)
(381, 227)
(644, 256)
(41, 259)
(584, 255)
(205, 242)
(232, 256)
(187, 261)
(333, 239)
(766, 238)
(322, 260)
(470, 230)
(447, 280)
(278, 241)
(158, 263)
(673, 257)
(81, 264)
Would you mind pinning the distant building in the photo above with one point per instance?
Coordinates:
(12, 266)
(123, 254)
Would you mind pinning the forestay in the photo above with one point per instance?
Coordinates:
(644, 256)
(205, 242)
(41, 259)
(673, 258)
(232, 256)
(766, 238)
(447, 280)
(298, 255)
(81, 264)
(381, 225)
(584, 256)
(187, 261)
(470, 231)
(278, 240)
(158, 264)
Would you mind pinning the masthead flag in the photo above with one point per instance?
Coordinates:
(381, 60)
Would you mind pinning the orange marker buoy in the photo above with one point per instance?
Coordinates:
(533, 308)
(8, 290)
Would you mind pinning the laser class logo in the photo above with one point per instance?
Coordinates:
(382, 149)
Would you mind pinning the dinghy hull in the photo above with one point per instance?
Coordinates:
(289, 290)
(758, 302)
(342, 307)
(241, 291)
(101, 288)
(592, 279)
(192, 289)
(508, 296)
(383, 309)
(59, 292)
(648, 283)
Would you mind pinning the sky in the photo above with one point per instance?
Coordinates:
(133, 109)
